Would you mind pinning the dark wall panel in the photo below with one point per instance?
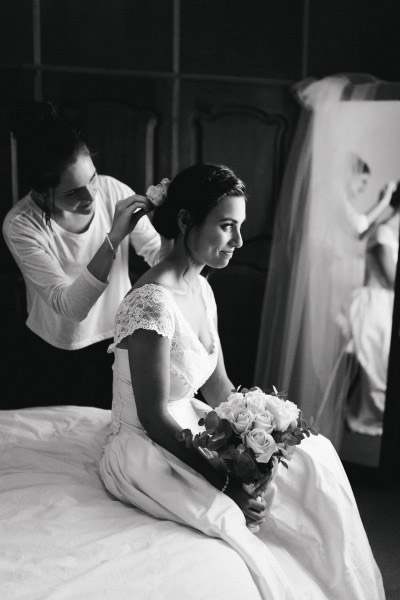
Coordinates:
(360, 36)
(16, 40)
(118, 34)
(7, 262)
(15, 85)
(257, 38)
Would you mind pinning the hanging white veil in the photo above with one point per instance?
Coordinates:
(317, 258)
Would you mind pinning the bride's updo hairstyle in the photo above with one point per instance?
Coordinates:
(46, 144)
(197, 189)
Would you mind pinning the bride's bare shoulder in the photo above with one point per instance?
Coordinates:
(157, 274)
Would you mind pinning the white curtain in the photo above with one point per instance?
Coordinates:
(317, 257)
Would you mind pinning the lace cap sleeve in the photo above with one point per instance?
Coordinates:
(148, 307)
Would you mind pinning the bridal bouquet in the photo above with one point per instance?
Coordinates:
(250, 433)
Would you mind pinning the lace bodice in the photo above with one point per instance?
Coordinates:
(153, 307)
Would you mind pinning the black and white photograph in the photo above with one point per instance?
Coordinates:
(200, 300)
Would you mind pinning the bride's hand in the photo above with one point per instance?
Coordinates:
(260, 487)
(253, 508)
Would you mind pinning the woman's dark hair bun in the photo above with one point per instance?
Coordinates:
(27, 119)
(165, 221)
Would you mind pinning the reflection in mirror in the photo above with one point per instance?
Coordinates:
(327, 316)
(366, 150)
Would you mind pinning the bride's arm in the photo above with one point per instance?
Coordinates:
(149, 362)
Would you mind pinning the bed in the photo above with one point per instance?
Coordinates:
(64, 537)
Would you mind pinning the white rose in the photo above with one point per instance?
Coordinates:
(272, 403)
(236, 399)
(224, 411)
(262, 444)
(265, 420)
(288, 412)
(242, 419)
(255, 400)
(284, 411)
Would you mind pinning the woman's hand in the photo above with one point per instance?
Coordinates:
(386, 193)
(252, 507)
(127, 214)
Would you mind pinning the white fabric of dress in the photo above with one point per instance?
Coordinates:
(370, 322)
(312, 546)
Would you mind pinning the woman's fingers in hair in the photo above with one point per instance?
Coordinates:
(137, 215)
(137, 202)
(127, 213)
(126, 208)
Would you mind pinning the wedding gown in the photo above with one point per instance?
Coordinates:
(312, 546)
(370, 322)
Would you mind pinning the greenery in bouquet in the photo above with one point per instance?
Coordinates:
(250, 433)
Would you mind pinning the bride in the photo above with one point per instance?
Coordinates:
(311, 544)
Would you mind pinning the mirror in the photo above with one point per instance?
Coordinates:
(327, 316)
(361, 165)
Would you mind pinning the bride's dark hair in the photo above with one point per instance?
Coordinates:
(198, 189)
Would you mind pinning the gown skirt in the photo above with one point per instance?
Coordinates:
(371, 314)
(312, 546)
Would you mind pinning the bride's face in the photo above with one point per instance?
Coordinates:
(214, 242)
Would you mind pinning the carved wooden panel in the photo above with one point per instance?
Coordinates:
(123, 141)
(251, 142)
(261, 38)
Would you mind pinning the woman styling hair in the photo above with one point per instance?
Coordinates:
(70, 238)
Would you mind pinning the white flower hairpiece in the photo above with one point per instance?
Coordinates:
(157, 194)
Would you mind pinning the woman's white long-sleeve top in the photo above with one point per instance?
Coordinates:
(67, 306)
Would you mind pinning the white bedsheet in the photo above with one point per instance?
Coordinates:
(63, 537)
